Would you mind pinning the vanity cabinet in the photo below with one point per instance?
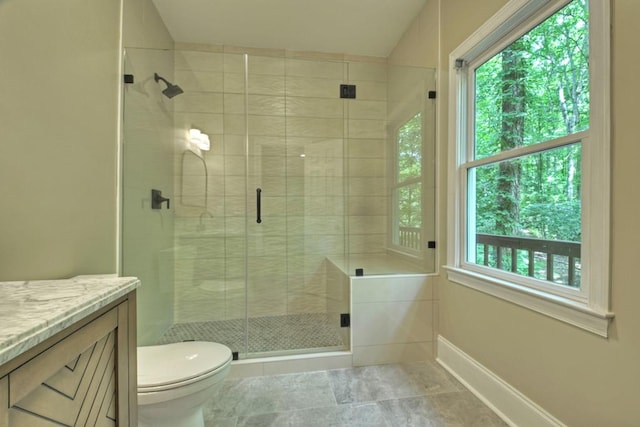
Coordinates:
(84, 375)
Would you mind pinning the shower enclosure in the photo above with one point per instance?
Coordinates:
(294, 182)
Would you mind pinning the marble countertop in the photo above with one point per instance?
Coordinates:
(32, 311)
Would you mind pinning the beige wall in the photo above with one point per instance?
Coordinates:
(580, 378)
(143, 27)
(58, 139)
(418, 46)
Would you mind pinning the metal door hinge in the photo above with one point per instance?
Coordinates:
(348, 91)
(345, 320)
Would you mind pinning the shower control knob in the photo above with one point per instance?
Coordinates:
(157, 200)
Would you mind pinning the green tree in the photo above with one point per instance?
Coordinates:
(409, 146)
(513, 107)
(535, 90)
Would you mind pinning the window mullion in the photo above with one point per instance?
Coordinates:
(526, 150)
(407, 182)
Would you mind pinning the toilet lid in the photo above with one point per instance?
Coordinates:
(166, 364)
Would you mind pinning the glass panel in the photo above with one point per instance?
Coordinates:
(391, 151)
(203, 234)
(525, 215)
(537, 88)
(148, 161)
(409, 216)
(407, 199)
(410, 149)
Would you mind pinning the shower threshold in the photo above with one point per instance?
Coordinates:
(267, 336)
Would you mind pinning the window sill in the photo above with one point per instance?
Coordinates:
(566, 310)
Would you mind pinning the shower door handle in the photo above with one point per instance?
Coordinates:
(258, 197)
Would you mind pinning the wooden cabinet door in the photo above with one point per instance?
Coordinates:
(75, 381)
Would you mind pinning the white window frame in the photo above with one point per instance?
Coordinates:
(589, 307)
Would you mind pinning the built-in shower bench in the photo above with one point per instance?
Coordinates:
(392, 308)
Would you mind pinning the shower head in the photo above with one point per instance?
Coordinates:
(171, 90)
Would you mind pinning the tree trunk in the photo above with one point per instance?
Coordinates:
(513, 109)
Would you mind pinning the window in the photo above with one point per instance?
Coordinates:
(407, 187)
(531, 167)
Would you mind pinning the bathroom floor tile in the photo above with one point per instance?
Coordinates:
(279, 393)
(465, 409)
(357, 415)
(382, 382)
(413, 394)
(432, 378)
(412, 411)
(221, 422)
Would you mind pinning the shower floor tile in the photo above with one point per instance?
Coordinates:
(266, 334)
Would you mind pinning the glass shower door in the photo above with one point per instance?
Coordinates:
(296, 201)
(211, 213)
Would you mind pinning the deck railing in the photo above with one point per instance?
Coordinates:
(410, 237)
(561, 259)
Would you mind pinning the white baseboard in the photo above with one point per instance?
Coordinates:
(508, 403)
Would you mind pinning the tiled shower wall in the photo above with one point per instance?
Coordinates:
(294, 109)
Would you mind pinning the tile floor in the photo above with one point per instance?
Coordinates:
(414, 394)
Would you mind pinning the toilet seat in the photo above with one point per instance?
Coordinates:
(169, 366)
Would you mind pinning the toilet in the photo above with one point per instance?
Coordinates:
(175, 380)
